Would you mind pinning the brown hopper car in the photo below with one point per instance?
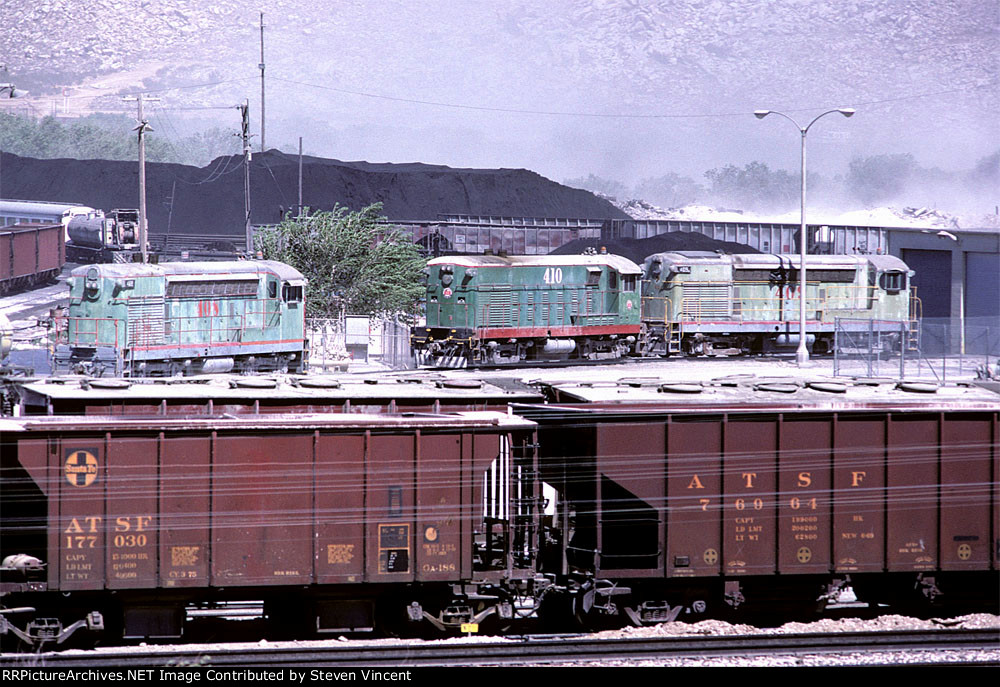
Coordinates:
(634, 501)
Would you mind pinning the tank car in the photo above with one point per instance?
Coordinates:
(701, 303)
(100, 238)
(182, 318)
(494, 309)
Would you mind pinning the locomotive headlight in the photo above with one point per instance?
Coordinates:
(93, 280)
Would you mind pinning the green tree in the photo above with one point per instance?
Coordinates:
(109, 137)
(754, 187)
(596, 184)
(879, 178)
(987, 170)
(352, 260)
(670, 190)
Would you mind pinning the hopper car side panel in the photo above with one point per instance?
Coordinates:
(748, 517)
(858, 494)
(912, 461)
(694, 495)
(805, 455)
(855, 493)
(965, 498)
(628, 459)
(269, 497)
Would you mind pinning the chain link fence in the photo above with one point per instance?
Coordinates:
(937, 349)
(337, 343)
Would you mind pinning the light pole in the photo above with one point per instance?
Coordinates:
(802, 353)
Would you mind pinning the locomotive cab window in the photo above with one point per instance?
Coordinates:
(272, 289)
(612, 280)
(593, 276)
(291, 293)
(629, 282)
(892, 282)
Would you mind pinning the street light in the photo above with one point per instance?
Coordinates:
(802, 353)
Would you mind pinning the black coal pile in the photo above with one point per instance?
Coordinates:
(637, 250)
(209, 200)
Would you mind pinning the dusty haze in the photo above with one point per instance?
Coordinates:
(622, 89)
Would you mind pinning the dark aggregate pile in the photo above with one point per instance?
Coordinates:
(637, 250)
(210, 200)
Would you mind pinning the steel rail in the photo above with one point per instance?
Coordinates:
(523, 651)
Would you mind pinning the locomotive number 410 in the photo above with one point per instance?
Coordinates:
(553, 275)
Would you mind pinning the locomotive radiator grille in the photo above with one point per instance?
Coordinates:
(498, 309)
(705, 301)
(145, 320)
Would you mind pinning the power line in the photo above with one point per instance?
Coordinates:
(608, 115)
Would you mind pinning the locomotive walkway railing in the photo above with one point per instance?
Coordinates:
(734, 301)
(564, 307)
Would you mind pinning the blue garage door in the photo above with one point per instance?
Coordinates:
(933, 279)
(982, 303)
(933, 284)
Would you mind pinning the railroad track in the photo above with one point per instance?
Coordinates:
(522, 651)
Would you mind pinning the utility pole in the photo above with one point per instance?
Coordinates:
(261, 65)
(142, 128)
(245, 112)
(300, 177)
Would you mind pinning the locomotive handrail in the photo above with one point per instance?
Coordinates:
(203, 328)
(67, 330)
(822, 297)
(584, 312)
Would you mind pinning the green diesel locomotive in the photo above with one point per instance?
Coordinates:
(485, 310)
(700, 303)
(183, 318)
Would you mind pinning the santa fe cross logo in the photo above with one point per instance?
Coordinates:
(81, 467)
